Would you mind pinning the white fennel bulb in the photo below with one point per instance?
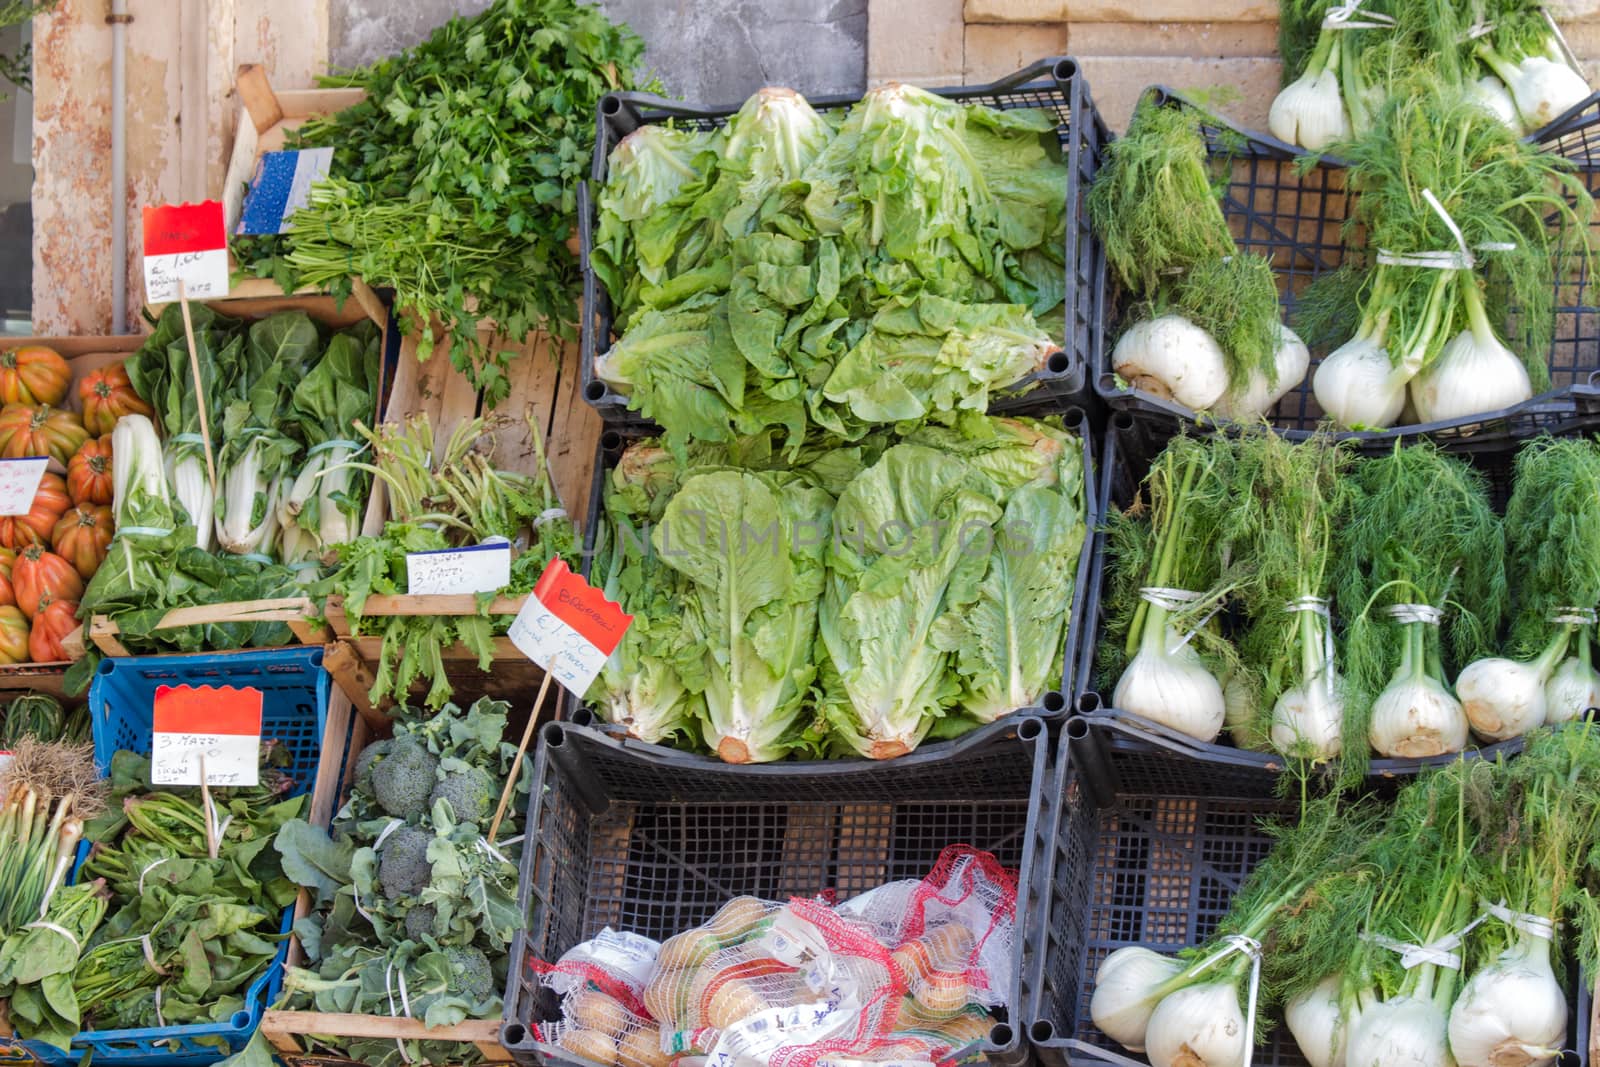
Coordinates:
(192, 487)
(1174, 359)
(1416, 716)
(1511, 1013)
(1358, 387)
(1307, 721)
(1168, 683)
(1318, 1024)
(1239, 714)
(1407, 1031)
(1544, 90)
(1124, 997)
(1505, 698)
(1573, 688)
(1310, 111)
(1492, 94)
(1475, 373)
(1291, 360)
(1198, 1026)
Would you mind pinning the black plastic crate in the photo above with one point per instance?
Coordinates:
(1054, 705)
(1149, 848)
(1295, 221)
(1130, 446)
(1056, 84)
(655, 842)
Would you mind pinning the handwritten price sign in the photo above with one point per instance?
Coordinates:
(568, 627)
(218, 725)
(185, 243)
(478, 569)
(19, 483)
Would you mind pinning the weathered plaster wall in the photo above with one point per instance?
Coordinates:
(711, 51)
(181, 57)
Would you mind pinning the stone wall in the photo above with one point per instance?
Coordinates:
(1123, 45)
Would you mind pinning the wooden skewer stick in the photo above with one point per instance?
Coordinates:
(516, 767)
(199, 390)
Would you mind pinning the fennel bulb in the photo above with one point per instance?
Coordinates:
(1123, 999)
(1475, 373)
(1544, 89)
(1511, 1013)
(1416, 716)
(1573, 688)
(1198, 1026)
(1504, 698)
(1307, 720)
(1492, 93)
(1310, 111)
(187, 474)
(1317, 1022)
(1172, 358)
(1405, 1031)
(1239, 715)
(1358, 387)
(1167, 682)
(1292, 360)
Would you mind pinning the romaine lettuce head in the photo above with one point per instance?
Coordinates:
(902, 569)
(749, 545)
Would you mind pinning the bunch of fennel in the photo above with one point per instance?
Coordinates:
(1194, 1008)
(1326, 96)
(1419, 570)
(1464, 222)
(1170, 577)
(1525, 78)
(1292, 501)
(1553, 568)
(1206, 330)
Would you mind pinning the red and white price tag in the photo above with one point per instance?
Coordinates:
(568, 627)
(19, 483)
(217, 725)
(185, 243)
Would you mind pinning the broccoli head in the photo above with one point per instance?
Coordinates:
(470, 791)
(419, 922)
(403, 779)
(365, 762)
(470, 973)
(403, 867)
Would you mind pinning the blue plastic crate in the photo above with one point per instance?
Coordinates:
(294, 711)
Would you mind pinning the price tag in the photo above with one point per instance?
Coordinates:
(219, 724)
(479, 569)
(282, 186)
(568, 627)
(185, 243)
(19, 483)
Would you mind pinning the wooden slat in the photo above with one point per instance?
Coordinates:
(419, 604)
(575, 430)
(368, 649)
(103, 630)
(355, 678)
(257, 97)
(38, 677)
(486, 1031)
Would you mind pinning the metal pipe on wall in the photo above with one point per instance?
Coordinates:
(119, 20)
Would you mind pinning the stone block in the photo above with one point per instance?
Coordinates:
(995, 51)
(1116, 83)
(918, 41)
(1016, 11)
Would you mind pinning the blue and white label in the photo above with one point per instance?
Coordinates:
(282, 186)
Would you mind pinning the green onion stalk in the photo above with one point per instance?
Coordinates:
(45, 795)
(1171, 576)
(1464, 222)
(1296, 501)
(1421, 548)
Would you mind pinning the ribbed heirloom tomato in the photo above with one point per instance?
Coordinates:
(40, 573)
(89, 473)
(106, 396)
(33, 374)
(55, 620)
(83, 537)
(13, 635)
(40, 431)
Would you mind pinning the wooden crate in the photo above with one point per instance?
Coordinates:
(286, 1030)
(298, 612)
(545, 384)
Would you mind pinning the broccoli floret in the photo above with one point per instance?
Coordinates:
(403, 867)
(419, 922)
(402, 780)
(471, 975)
(366, 761)
(471, 793)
